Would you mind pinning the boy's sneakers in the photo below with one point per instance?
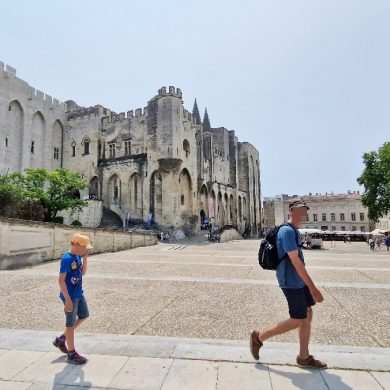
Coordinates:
(75, 358)
(255, 344)
(59, 343)
(310, 362)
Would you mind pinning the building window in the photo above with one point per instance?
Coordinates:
(323, 216)
(343, 228)
(362, 216)
(6, 142)
(73, 149)
(182, 200)
(128, 148)
(324, 227)
(353, 216)
(32, 146)
(333, 228)
(315, 217)
(111, 148)
(354, 228)
(56, 153)
(362, 229)
(86, 147)
(342, 217)
(332, 216)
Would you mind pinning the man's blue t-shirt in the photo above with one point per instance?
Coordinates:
(286, 241)
(72, 265)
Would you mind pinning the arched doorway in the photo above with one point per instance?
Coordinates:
(94, 188)
(114, 191)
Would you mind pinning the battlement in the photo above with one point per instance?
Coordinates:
(113, 117)
(172, 91)
(32, 93)
(187, 115)
(76, 112)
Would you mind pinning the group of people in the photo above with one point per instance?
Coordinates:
(298, 288)
(376, 242)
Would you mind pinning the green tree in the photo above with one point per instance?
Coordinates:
(376, 181)
(10, 194)
(55, 191)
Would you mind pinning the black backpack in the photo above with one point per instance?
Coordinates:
(268, 252)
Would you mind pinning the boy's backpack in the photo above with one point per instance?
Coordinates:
(268, 252)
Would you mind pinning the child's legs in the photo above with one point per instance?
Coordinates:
(74, 319)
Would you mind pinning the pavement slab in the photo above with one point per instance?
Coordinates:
(191, 375)
(142, 374)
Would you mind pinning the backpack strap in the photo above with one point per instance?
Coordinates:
(295, 231)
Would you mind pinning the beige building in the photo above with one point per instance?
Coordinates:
(383, 223)
(334, 212)
(160, 160)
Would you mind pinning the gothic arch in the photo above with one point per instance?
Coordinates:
(94, 188)
(239, 209)
(13, 152)
(57, 136)
(156, 196)
(136, 196)
(212, 205)
(185, 185)
(86, 143)
(186, 147)
(226, 219)
(38, 138)
(232, 211)
(220, 213)
(203, 201)
(114, 190)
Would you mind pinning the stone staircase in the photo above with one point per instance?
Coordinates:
(110, 220)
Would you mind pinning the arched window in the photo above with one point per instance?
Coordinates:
(73, 149)
(186, 147)
(86, 142)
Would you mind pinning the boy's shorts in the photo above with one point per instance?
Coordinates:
(298, 299)
(80, 310)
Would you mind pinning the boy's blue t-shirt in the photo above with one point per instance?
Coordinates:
(72, 265)
(286, 241)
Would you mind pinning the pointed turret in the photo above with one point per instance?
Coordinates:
(206, 121)
(195, 114)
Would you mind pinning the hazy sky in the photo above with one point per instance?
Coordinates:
(305, 81)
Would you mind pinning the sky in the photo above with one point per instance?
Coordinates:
(307, 82)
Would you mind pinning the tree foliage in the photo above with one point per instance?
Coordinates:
(38, 193)
(376, 181)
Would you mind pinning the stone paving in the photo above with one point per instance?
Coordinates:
(170, 294)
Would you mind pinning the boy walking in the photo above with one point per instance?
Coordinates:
(73, 267)
(298, 288)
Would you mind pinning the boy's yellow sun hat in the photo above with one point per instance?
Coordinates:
(80, 239)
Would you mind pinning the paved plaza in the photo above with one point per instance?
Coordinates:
(178, 316)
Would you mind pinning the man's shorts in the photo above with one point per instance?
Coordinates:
(298, 299)
(80, 310)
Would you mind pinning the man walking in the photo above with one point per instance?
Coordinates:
(300, 292)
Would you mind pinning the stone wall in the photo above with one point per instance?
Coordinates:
(31, 124)
(26, 243)
(90, 216)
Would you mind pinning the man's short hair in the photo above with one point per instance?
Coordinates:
(297, 203)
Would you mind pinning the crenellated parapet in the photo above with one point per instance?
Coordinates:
(8, 72)
(171, 91)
